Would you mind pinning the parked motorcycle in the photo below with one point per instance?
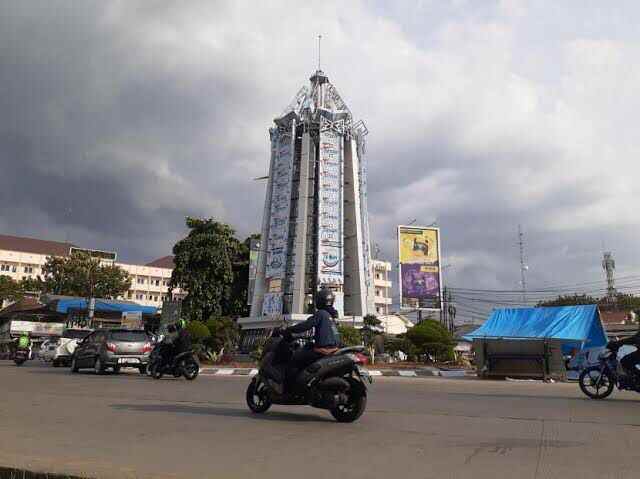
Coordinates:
(598, 381)
(334, 382)
(183, 364)
(20, 356)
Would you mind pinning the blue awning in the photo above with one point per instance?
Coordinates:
(103, 305)
(572, 324)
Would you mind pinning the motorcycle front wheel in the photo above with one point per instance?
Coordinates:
(595, 383)
(190, 369)
(155, 370)
(258, 397)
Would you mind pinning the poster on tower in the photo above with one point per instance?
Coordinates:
(330, 171)
(281, 177)
(420, 269)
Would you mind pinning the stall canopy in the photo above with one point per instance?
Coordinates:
(63, 305)
(577, 326)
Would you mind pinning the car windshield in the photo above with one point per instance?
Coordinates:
(131, 336)
(76, 333)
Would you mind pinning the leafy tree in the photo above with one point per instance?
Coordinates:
(9, 290)
(569, 300)
(198, 331)
(431, 338)
(349, 335)
(204, 268)
(81, 275)
(30, 285)
(224, 333)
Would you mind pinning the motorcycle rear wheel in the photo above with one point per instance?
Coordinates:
(351, 411)
(257, 396)
(596, 384)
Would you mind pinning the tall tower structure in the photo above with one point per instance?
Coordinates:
(609, 266)
(315, 227)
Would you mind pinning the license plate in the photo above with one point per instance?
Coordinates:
(128, 361)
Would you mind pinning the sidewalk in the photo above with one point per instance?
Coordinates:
(427, 371)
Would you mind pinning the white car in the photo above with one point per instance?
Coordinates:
(66, 346)
(48, 349)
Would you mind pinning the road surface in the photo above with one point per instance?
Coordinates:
(133, 426)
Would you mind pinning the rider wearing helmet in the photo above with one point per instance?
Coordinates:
(326, 338)
(182, 342)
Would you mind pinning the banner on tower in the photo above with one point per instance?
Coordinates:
(276, 243)
(420, 270)
(330, 197)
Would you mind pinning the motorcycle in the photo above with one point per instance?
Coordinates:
(183, 364)
(335, 382)
(598, 381)
(20, 356)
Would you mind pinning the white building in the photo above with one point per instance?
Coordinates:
(22, 258)
(382, 285)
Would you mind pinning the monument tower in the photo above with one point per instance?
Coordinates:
(315, 230)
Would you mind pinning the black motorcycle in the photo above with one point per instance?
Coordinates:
(182, 364)
(20, 356)
(334, 382)
(598, 381)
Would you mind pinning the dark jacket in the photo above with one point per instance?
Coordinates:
(325, 330)
(633, 340)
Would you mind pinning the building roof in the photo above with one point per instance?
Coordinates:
(32, 245)
(164, 262)
(26, 304)
(62, 304)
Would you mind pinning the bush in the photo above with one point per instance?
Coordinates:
(349, 335)
(224, 333)
(430, 338)
(198, 331)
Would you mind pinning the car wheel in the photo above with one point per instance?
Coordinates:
(74, 365)
(116, 369)
(98, 366)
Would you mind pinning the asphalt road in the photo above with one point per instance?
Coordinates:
(133, 426)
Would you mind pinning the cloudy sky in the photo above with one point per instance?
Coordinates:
(119, 118)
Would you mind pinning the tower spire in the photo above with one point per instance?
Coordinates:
(319, 40)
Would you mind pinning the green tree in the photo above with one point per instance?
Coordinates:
(81, 275)
(349, 335)
(569, 300)
(204, 268)
(9, 290)
(370, 328)
(431, 338)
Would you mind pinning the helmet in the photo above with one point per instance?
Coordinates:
(182, 324)
(325, 298)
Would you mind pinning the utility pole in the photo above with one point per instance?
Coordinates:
(523, 266)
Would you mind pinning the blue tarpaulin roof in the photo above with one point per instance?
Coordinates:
(574, 324)
(102, 305)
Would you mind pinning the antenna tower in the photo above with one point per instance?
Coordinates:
(523, 266)
(609, 266)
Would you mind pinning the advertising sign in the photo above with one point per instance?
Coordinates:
(132, 320)
(254, 250)
(420, 273)
(330, 237)
(36, 328)
(281, 178)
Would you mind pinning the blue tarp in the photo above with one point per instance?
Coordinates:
(579, 326)
(103, 305)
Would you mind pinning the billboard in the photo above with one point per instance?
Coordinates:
(420, 273)
(330, 237)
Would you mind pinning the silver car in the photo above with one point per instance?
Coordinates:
(113, 349)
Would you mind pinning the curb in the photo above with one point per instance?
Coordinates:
(404, 373)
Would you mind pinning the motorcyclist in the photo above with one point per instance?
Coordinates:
(326, 338)
(631, 362)
(24, 341)
(182, 342)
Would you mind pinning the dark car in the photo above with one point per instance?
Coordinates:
(113, 349)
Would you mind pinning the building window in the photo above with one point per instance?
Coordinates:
(28, 269)
(378, 309)
(140, 280)
(164, 282)
(377, 275)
